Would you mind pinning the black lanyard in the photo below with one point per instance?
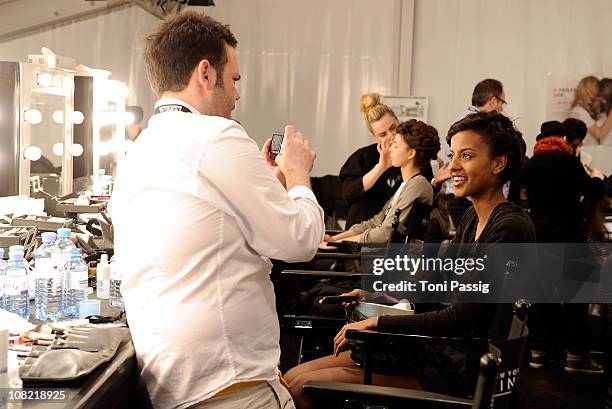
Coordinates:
(171, 108)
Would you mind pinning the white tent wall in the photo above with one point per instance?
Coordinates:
(458, 43)
(308, 62)
(302, 62)
(111, 41)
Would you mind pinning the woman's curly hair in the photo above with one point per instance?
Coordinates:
(421, 137)
(499, 133)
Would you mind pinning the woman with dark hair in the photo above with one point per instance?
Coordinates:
(415, 143)
(485, 153)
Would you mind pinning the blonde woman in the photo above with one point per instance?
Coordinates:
(368, 179)
(414, 144)
(585, 107)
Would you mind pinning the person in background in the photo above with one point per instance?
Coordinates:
(556, 181)
(368, 179)
(414, 144)
(587, 107)
(488, 96)
(196, 282)
(605, 100)
(485, 153)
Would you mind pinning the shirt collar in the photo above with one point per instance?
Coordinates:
(171, 101)
(472, 108)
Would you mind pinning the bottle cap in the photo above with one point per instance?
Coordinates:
(16, 249)
(48, 237)
(63, 233)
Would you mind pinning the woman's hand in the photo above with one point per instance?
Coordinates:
(442, 175)
(355, 293)
(340, 343)
(384, 150)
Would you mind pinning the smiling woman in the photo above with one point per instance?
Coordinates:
(485, 153)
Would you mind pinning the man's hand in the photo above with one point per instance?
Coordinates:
(270, 160)
(340, 342)
(296, 158)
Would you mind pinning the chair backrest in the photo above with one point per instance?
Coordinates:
(414, 227)
(510, 352)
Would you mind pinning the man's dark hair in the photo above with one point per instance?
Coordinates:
(605, 92)
(499, 133)
(574, 129)
(179, 43)
(484, 90)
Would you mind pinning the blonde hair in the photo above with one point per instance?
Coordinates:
(373, 109)
(585, 98)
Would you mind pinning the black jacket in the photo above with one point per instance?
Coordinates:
(555, 182)
(364, 205)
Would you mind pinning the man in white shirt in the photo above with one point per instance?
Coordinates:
(198, 212)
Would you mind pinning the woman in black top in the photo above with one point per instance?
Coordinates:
(368, 179)
(485, 153)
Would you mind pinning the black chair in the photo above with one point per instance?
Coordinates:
(504, 363)
(302, 325)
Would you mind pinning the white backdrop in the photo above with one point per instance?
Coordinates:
(458, 43)
(307, 62)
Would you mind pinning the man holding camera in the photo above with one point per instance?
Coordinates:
(198, 213)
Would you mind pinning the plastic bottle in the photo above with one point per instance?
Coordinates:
(21, 249)
(49, 280)
(115, 298)
(3, 267)
(75, 283)
(103, 278)
(64, 246)
(16, 297)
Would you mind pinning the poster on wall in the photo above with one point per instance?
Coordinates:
(406, 108)
(560, 89)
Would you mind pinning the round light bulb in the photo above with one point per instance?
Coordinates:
(58, 117)
(77, 117)
(129, 118)
(33, 116)
(58, 149)
(44, 79)
(32, 153)
(76, 149)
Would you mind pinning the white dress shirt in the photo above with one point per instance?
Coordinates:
(198, 214)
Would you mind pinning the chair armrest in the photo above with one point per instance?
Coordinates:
(384, 394)
(324, 274)
(312, 322)
(411, 339)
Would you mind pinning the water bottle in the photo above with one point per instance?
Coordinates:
(75, 283)
(115, 298)
(64, 245)
(3, 267)
(16, 297)
(49, 280)
(21, 249)
(102, 278)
